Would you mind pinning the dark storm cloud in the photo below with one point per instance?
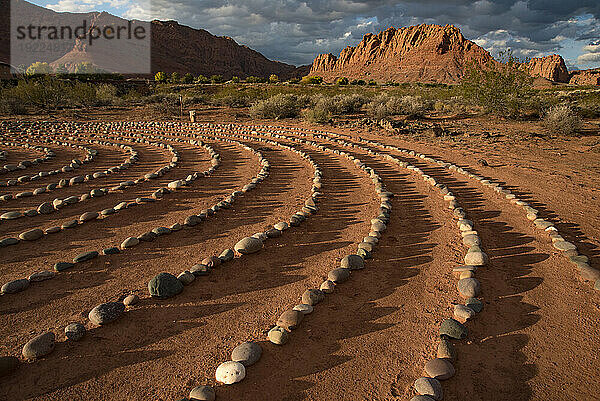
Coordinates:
(295, 31)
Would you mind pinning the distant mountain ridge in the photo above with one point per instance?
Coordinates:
(430, 54)
(175, 48)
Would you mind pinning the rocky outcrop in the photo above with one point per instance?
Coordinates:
(585, 77)
(175, 48)
(422, 53)
(552, 67)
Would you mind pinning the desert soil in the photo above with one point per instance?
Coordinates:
(536, 339)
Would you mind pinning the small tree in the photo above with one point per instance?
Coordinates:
(501, 88)
(235, 79)
(201, 79)
(175, 78)
(254, 80)
(38, 68)
(216, 79)
(188, 78)
(312, 80)
(341, 81)
(273, 79)
(160, 77)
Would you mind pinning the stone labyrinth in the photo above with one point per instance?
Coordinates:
(178, 261)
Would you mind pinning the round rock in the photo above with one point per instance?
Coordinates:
(352, 262)
(12, 287)
(164, 285)
(230, 372)
(75, 331)
(131, 300)
(106, 313)
(430, 387)
(468, 287)
(278, 335)
(339, 275)
(248, 245)
(39, 346)
(202, 393)
(247, 353)
(290, 319)
(453, 329)
(440, 369)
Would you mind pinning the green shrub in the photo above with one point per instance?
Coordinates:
(216, 79)
(359, 82)
(372, 82)
(273, 79)
(312, 80)
(277, 107)
(201, 80)
(384, 106)
(38, 68)
(82, 94)
(254, 80)
(160, 77)
(106, 93)
(500, 88)
(561, 120)
(175, 78)
(235, 79)
(341, 81)
(188, 78)
(316, 115)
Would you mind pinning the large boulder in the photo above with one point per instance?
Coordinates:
(165, 285)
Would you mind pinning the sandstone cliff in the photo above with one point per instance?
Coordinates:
(423, 53)
(585, 77)
(552, 67)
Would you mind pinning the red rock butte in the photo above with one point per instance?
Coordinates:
(421, 53)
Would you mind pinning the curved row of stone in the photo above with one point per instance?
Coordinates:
(248, 353)
(439, 368)
(49, 154)
(16, 286)
(105, 313)
(74, 164)
(59, 204)
(569, 250)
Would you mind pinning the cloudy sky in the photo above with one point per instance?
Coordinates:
(295, 31)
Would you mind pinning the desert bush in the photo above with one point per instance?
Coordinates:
(174, 78)
(160, 77)
(316, 114)
(342, 81)
(254, 80)
(217, 79)
(359, 82)
(201, 80)
(188, 78)
(235, 79)
(500, 88)
(312, 80)
(169, 104)
(10, 105)
(384, 106)
(273, 79)
(81, 95)
(277, 107)
(106, 93)
(38, 68)
(561, 120)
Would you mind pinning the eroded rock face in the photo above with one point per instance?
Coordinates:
(585, 77)
(552, 67)
(422, 53)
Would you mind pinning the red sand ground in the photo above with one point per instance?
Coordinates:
(537, 338)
